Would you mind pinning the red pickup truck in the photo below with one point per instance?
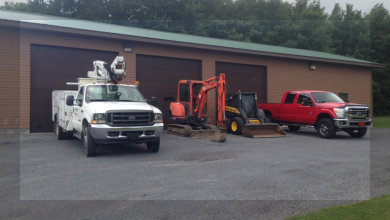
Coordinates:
(327, 112)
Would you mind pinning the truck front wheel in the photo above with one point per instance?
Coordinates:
(87, 142)
(325, 128)
(154, 146)
(357, 133)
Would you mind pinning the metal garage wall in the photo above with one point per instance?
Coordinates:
(158, 76)
(51, 68)
(247, 78)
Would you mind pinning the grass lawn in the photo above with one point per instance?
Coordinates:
(381, 121)
(377, 208)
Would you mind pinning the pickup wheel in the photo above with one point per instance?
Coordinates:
(325, 128)
(61, 135)
(236, 125)
(87, 142)
(154, 146)
(268, 118)
(294, 127)
(357, 133)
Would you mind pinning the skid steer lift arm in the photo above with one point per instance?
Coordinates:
(202, 97)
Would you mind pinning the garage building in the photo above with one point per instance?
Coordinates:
(40, 53)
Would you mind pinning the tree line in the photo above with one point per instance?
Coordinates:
(303, 24)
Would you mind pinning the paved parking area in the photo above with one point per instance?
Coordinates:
(244, 177)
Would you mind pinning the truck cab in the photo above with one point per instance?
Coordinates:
(324, 110)
(104, 113)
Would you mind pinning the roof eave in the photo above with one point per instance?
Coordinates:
(45, 27)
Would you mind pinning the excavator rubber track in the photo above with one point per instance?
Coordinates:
(212, 132)
(265, 130)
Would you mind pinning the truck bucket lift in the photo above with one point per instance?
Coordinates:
(243, 117)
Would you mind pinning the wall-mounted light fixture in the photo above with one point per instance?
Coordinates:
(312, 66)
(127, 47)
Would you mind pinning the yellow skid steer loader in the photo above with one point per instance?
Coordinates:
(243, 117)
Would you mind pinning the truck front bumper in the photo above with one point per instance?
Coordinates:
(346, 123)
(105, 134)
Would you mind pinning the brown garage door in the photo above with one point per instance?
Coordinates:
(247, 78)
(51, 68)
(158, 77)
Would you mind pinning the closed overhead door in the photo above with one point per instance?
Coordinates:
(158, 77)
(247, 78)
(51, 68)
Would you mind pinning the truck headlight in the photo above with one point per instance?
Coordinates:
(158, 118)
(340, 112)
(98, 118)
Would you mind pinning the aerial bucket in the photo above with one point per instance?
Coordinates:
(265, 130)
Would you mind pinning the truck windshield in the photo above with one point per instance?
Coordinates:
(96, 93)
(323, 97)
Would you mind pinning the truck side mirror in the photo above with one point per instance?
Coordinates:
(70, 100)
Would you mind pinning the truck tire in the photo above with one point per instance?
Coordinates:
(87, 142)
(294, 127)
(154, 146)
(325, 128)
(357, 133)
(61, 135)
(237, 125)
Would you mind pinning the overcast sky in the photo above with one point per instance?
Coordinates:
(363, 5)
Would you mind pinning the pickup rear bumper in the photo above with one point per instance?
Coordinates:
(346, 123)
(105, 134)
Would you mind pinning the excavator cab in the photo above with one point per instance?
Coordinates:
(183, 110)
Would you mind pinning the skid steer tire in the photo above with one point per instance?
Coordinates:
(237, 125)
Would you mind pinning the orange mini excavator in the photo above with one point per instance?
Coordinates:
(189, 113)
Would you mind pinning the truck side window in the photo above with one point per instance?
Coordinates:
(184, 93)
(301, 97)
(290, 98)
(79, 97)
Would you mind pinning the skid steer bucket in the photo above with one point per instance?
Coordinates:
(263, 130)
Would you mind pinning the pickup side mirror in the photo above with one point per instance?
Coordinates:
(152, 101)
(307, 102)
(70, 100)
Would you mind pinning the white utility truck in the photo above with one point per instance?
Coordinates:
(105, 112)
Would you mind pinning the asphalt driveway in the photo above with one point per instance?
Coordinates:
(244, 177)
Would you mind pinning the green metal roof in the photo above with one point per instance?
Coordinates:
(167, 36)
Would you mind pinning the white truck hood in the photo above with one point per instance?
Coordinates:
(103, 107)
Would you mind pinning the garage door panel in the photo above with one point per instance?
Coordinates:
(51, 68)
(247, 78)
(158, 77)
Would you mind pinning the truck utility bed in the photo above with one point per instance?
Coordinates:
(60, 109)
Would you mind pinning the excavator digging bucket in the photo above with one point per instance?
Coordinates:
(220, 135)
(263, 130)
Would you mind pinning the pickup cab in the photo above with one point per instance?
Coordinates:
(100, 113)
(326, 111)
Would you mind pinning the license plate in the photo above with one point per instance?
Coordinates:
(361, 124)
(132, 135)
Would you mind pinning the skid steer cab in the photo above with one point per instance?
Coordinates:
(243, 117)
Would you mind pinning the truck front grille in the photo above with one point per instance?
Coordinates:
(130, 118)
(358, 113)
